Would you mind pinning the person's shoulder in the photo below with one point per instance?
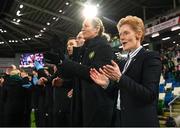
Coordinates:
(101, 39)
(102, 42)
(152, 53)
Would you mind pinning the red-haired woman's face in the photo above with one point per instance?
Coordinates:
(128, 38)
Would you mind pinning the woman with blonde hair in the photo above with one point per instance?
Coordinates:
(91, 104)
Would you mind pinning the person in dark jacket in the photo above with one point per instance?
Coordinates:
(62, 96)
(91, 104)
(15, 99)
(136, 80)
(45, 103)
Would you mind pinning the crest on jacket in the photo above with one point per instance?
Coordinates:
(91, 54)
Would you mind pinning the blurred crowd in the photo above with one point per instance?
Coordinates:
(171, 63)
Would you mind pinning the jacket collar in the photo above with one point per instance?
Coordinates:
(135, 58)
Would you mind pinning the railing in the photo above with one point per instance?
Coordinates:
(168, 14)
(170, 104)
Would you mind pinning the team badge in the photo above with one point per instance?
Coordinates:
(91, 54)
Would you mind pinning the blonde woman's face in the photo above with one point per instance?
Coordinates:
(128, 38)
(88, 30)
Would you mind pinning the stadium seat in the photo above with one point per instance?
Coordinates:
(168, 97)
(161, 88)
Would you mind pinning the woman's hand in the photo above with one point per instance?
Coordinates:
(99, 77)
(57, 82)
(112, 71)
(70, 93)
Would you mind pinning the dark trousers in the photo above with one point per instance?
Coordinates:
(116, 118)
(62, 119)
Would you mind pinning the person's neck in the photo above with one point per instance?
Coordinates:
(93, 36)
(133, 49)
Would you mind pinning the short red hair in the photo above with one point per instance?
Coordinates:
(135, 22)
